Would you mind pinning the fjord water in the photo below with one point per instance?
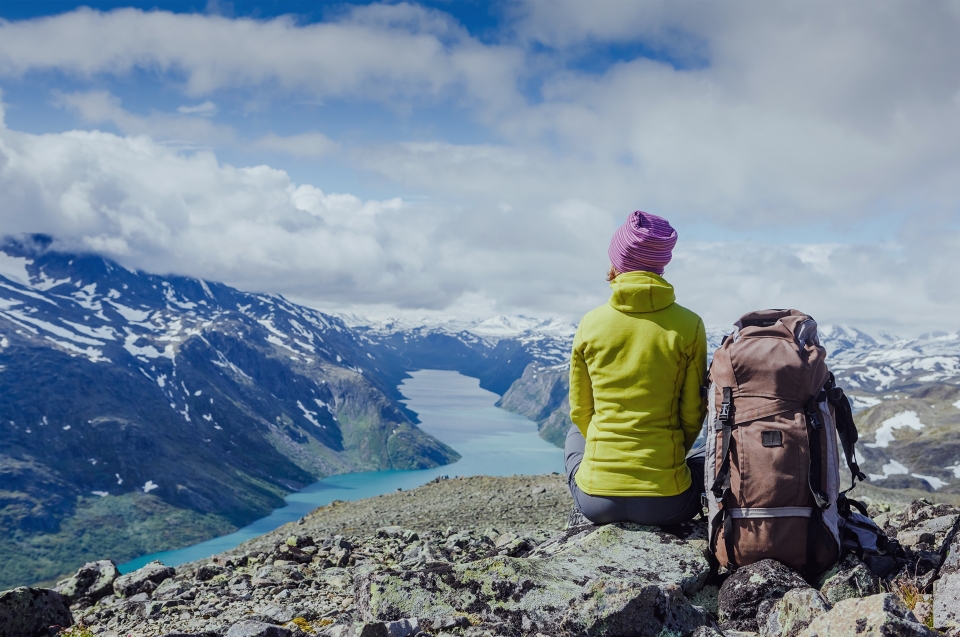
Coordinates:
(451, 407)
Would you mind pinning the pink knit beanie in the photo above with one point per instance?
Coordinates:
(643, 242)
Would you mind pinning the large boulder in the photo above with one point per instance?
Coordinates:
(143, 580)
(33, 612)
(946, 590)
(882, 614)
(750, 586)
(788, 616)
(851, 578)
(91, 583)
(251, 628)
(619, 579)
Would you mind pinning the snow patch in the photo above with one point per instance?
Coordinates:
(884, 435)
(276, 341)
(130, 314)
(862, 402)
(102, 494)
(15, 268)
(95, 355)
(309, 415)
(892, 468)
(933, 481)
(150, 486)
(148, 351)
(956, 404)
(54, 329)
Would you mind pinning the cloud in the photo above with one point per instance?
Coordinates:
(207, 109)
(189, 127)
(379, 52)
(312, 144)
(786, 130)
(100, 107)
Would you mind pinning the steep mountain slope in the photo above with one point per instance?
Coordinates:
(128, 393)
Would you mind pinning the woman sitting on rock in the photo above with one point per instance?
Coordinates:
(636, 370)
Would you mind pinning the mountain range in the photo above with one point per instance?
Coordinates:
(141, 412)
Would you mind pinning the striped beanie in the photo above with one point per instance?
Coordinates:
(643, 242)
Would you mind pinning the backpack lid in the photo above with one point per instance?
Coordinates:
(773, 361)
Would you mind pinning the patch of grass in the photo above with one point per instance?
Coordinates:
(116, 527)
(908, 592)
(302, 624)
(76, 631)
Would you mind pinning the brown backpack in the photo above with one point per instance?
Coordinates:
(772, 465)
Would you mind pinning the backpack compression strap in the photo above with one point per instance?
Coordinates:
(846, 429)
(815, 478)
(721, 485)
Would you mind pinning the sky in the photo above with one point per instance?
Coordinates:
(474, 158)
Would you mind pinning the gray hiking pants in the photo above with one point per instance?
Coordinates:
(672, 509)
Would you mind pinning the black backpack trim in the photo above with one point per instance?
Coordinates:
(846, 429)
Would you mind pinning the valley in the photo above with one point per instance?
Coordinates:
(141, 413)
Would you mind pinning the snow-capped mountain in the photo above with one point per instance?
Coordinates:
(127, 397)
(124, 392)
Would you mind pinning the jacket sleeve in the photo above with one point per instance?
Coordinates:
(693, 407)
(581, 390)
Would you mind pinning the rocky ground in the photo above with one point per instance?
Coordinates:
(491, 556)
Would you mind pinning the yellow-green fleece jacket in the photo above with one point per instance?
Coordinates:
(636, 370)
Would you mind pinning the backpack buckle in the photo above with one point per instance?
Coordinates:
(725, 405)
(724, 411)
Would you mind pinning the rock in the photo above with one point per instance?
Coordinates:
(789, 615)
(401, 628)
(300, 541)
(93, 581)
(881, 565)
(209, 571)
(142, 580)
(882, 614)
(853, 579)
(706, 631)
(169, 589)
(629, 607)
(748, 587)
(449, 623)
(293, 554)
(587, 580)
(917, 536)
(946, 590)
(31, 612)
(251, 628)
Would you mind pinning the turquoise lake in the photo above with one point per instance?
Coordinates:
(451, 407)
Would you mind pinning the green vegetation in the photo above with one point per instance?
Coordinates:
(116, 527)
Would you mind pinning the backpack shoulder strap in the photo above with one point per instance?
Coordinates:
(846, 429)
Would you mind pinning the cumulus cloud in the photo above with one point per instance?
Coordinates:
(804, 124)
(378, 51)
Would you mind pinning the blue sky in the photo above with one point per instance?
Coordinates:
(473, 158)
